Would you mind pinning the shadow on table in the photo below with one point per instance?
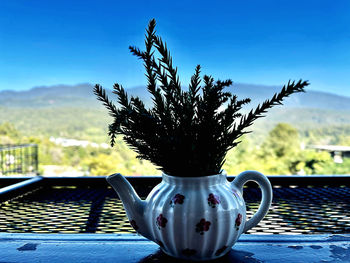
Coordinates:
(232, 256)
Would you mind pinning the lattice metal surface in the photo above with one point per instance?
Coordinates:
(62, 209)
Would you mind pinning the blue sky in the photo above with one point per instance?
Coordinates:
(258, 42)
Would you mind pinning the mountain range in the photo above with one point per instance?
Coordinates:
(73, 110)
(82, 95)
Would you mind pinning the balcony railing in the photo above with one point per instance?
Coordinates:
(19, 159)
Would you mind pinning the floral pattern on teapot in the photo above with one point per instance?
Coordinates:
(202, 226)
(177, 199)
(213, 200)
(192, 218)
(161, 221)
(238, 221)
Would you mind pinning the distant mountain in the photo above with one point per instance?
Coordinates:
(47, 96)
(82, 95)
(74, 112)
(259, 93)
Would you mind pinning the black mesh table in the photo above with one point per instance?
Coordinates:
(82, 219)
(50, 208)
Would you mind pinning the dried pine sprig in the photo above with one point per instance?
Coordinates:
(185, 133)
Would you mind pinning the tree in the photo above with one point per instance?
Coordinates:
(8, 133)
(313, 162)
(282, 141)
(279, 149)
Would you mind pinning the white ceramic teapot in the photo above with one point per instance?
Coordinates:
(194, 218)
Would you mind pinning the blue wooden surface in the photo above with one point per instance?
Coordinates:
(132, 248)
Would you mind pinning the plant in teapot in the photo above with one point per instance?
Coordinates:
(195, 212)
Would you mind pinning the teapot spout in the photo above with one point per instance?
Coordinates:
(133, 205)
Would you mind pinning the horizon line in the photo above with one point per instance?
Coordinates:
(143, 85)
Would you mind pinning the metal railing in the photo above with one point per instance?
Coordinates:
(19, 159)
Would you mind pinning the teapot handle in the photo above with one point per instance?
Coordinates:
(266, 190)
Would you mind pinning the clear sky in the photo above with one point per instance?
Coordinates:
(259, 42)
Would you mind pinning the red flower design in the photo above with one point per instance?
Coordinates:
(133, 224)
(202, 226)
(177, 199)
(161, 221)
(238, 221)
(213, 200)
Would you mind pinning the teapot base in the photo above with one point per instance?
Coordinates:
(191, 256)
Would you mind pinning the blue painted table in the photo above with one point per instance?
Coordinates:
(132, 248)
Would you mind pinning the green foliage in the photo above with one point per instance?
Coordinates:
(280, 153)
(105, 162)
(277, 153)
(329, 134)
(81, 123)
(7, 129)
(282, 141)
(280, 148)
(186, 133)
(243, 157)
(89, 160)
(8, 133)
(313, 162)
